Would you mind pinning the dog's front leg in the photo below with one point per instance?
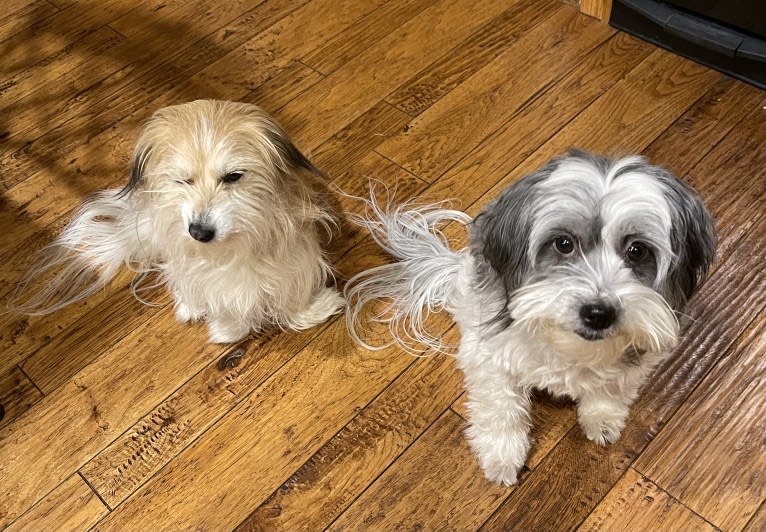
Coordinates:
(602, 416)
(499, 423)
(226, 328)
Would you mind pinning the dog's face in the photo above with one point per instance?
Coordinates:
(213, 170)
(597, 255)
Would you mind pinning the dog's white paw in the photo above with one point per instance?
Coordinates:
(500, 455)
(226, 331)
(184, 313)
(602, 428)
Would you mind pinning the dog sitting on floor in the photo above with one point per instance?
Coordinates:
(221, 204)
(572, 283)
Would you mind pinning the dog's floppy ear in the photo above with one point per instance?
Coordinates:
(289, 152)
(693, 239)
(138, 165)
(500, 233)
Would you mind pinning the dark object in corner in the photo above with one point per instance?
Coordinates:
(729, 36)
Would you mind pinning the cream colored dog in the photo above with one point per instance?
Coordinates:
(220, 204)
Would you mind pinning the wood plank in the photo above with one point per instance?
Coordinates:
(17, 394)
(21, 337)
(601, 9)
(53, 33)
(69, 349)
(71, 425)
(346, 147)
(640, 107)
(577, 474)
(284, 86)
(636, 503)
(29, 97)
(758, 521)
(460, 63)
(330, 480)
(264, 439)
(70, 506)
(541, 119)
(732, 162)
(155, 439)
(449, 129)
(93, 114)
(448, 494)
(374, 73)
(682, 145)
(366, 32)
(281, 43)
(17, 15)
(712, 455)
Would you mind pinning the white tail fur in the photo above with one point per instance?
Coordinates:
(102, 236)
(423, 280)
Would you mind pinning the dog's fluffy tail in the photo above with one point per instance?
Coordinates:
(102, 236)
(424, 280)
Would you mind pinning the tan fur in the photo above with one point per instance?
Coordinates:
(263, 266)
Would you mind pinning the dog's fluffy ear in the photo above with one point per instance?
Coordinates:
(289, 152)
(694, 242)
(500, 234)
(138, 164)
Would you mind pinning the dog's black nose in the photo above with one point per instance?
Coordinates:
(598, 317)
(203, 233)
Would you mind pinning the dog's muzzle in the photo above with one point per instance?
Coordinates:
(201, 232)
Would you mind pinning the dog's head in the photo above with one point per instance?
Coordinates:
(212, 170)
(596, 254)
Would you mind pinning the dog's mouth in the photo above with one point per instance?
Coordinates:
(590, 334)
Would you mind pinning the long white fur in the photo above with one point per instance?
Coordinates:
(265, 266)
(103, 235)
(419, 283)
(502, 363)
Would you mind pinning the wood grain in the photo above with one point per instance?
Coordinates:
(71, 506)
(601, 9)
(642, 105)
(367, 31)
(449, 495)
(17, 394)
(77, 420)
(263, 439)
(450, 128)
(377, 71)
(542, 118)
(328, 482)
(460, 63)
(635, 503)
(722, 423)
(758, 522)
(700, 129)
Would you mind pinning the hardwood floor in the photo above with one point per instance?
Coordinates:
(115, 417)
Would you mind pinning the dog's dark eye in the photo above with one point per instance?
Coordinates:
(232, 177)
(564, 245)
(637, 252)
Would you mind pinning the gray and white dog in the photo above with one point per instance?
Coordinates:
(572, 283)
